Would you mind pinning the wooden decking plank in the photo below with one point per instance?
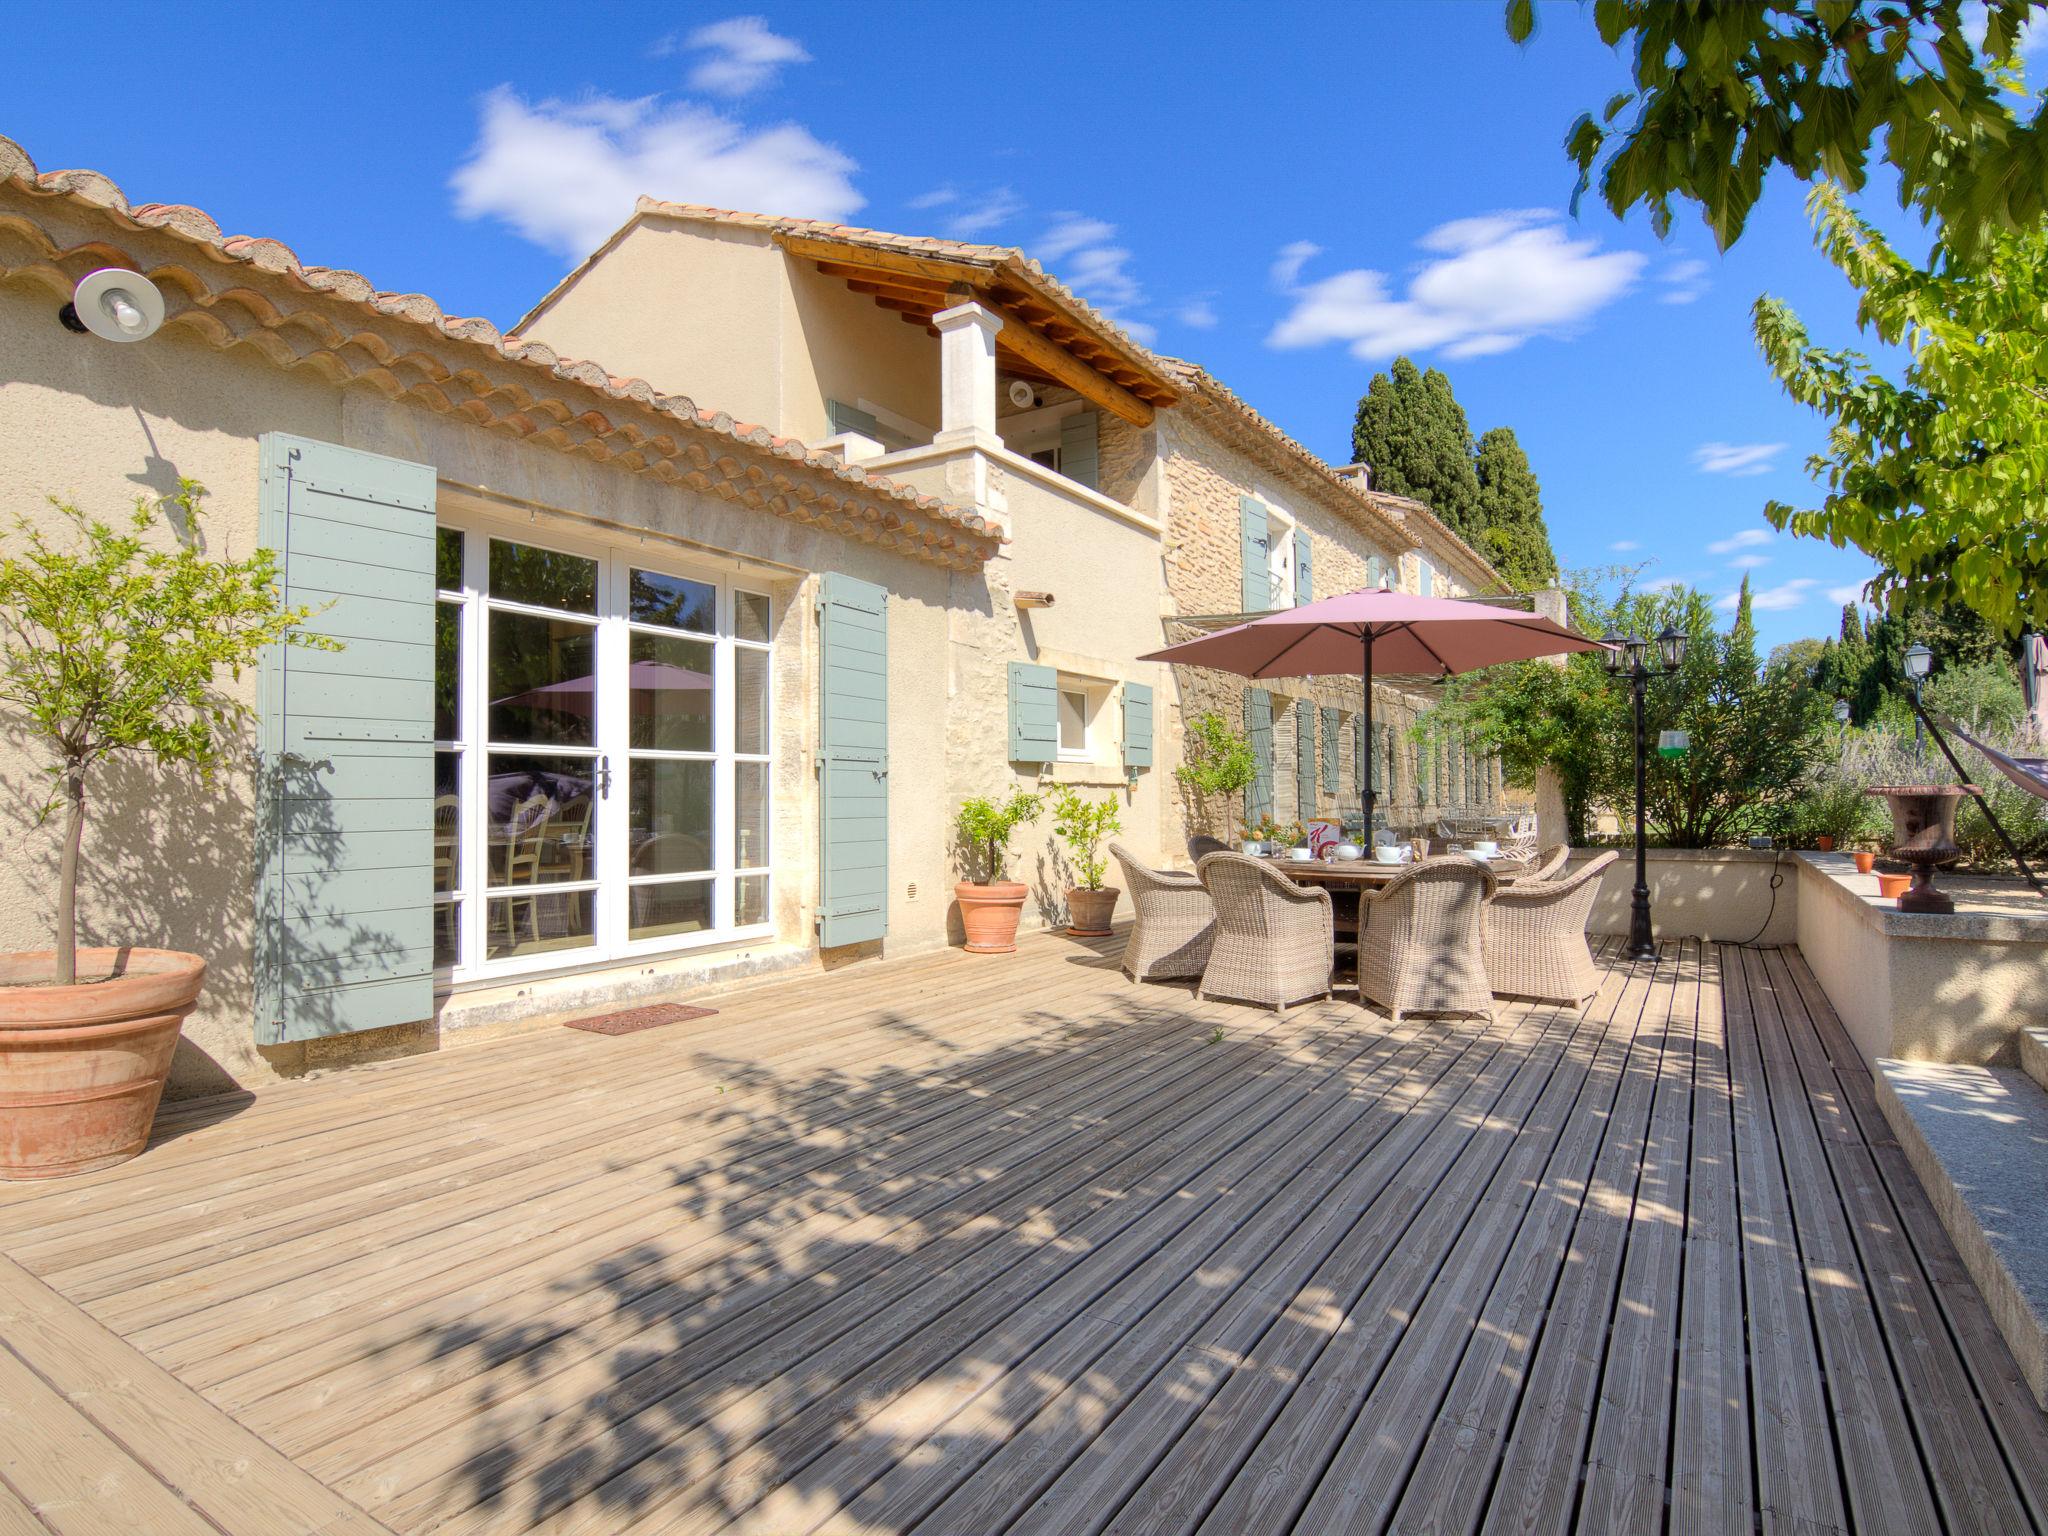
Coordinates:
(609, 1106)
(790, 1198)
(1798, 1478)
(213, 1467)
(1460, 1362)
(915, 1122)
(641, 1414)
(1711, 1478)
(1881, 1457)
(1143, 1392)
(1968, 1472)
(1627, 1458)
(16, 1518)
(1562, 1251)
(1267, 1235)
(1253, 1230)
(742, 1301)
(1259, 1445)
(1004, 1291)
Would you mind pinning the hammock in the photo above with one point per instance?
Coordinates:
(2029, 773)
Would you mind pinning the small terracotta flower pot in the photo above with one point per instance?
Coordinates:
(1865, 860)
(82, 1067)
(1893, 886)
(1089, 912)
(1825, 842)
(989, 914)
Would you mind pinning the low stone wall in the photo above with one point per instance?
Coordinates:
(1917, 986)
(1725, 894)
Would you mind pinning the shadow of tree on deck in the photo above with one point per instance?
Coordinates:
(859, 1252)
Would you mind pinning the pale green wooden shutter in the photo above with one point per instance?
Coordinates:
(1137, 725)
(1330, 739)
(1034, 713)
(1257, 593)
(1304, 584)
(853, 761)
(345, 784)
(1080, 452)
(1258, 731)
(1304, 759)
(848, 418)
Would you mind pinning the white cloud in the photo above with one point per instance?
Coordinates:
(1736, 458)
(1071, 232)
(1292, 258)
(1198, 314)
(1683, 281)
(565, 174)
(1747, 538)
(1848, 594)
(740, 56)
(990, 211)
(1788, 594)
(1623, 546)
(1748, 562)
(938, 197)
(1496, 281)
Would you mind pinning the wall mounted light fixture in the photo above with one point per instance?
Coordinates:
(115, 304)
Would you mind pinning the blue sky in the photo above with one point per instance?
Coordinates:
(1285, 194)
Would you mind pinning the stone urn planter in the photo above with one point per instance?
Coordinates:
(990, 914)
(1924, 836)
(82, 1067)
(1089, 912)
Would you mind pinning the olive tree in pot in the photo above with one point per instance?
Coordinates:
(990, 906)
(111, 643)
(1082, 825)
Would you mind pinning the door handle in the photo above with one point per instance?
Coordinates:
(604, 777)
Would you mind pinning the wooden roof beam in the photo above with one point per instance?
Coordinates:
(1022, 342)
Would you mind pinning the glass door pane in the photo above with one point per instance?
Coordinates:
(673, 748)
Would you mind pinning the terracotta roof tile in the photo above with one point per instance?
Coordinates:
(191, 224)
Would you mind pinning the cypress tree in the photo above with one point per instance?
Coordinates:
(1412, 431)
(1513, 534)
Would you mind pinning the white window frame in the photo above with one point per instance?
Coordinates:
(609, 890)
(1095, 694)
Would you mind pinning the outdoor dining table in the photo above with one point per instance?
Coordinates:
(1345, 878)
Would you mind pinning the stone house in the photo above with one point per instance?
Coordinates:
(660, 671)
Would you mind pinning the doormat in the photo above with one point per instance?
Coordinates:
(632, 1020)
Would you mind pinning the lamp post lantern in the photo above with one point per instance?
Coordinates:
(1627, 658)
(1919, 662)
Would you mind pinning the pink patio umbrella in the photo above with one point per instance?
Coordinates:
(1397, 631)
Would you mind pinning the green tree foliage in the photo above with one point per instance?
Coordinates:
(1082, 824)
(982, 829)
(1412, 431)
(1751, 729)
(111, 643)
(1866, 663)
(1513, 535)
(1940, 476)
(1726, 93)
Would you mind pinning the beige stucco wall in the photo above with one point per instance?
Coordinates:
(840, 345)
(1723, 894)
(1918, 986)
(694, 311)
(172, 864)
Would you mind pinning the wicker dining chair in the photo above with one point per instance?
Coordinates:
(1201, 845)
(1175, 920)
(1549, 863)
(1421, 940)
(1275, 940)
(1536, 937)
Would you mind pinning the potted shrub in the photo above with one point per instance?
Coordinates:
(1219, 764)
(110, 643)
(990, 906)
(1082, 825)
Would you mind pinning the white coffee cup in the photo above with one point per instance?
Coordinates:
(1387, 853)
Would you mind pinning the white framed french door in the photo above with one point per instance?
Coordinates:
(604, 754)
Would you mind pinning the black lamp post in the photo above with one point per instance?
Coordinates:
(1919, 662)
(1626, 658)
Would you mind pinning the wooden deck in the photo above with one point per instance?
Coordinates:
(972, 1246)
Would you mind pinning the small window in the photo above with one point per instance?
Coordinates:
(1049, 457)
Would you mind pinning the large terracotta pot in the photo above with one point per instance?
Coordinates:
(82, 1067)
(990, 913)
(1089, 912)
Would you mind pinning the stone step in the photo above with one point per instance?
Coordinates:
(2034, 1052)
(1978, 1138)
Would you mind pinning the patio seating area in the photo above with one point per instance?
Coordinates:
(975, 1246)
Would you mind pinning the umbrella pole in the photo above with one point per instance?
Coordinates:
(1365, 677)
